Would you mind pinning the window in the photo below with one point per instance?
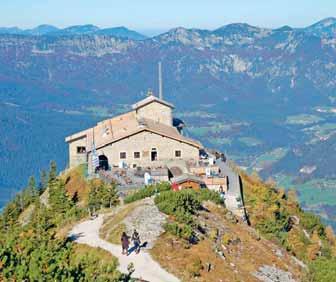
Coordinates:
(81, 150)
(178, 154)
(154, 155)
(137, 155)
(123, 155)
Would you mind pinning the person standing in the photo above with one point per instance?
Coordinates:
(124, 243)
(136, 241)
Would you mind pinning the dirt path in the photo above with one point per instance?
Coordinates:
(145, 267)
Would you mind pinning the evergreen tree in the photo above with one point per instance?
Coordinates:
(93, 201)
(58, 199)
(43, 181)
(32, 189)
(112, 195)
(52, 172)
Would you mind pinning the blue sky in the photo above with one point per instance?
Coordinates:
(161, 15)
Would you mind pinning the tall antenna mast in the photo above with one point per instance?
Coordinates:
(160, 81)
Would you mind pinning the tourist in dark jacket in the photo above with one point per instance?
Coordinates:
(136, 241)
(124, 243)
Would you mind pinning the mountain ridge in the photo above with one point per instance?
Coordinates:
(324, 27)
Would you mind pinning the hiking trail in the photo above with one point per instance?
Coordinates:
(146, 268)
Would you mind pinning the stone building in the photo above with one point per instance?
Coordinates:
(143, 137)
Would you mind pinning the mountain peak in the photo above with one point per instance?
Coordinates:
(122, 32)
(82, 28)
(327, 22)
(325, 27)
(41, 30)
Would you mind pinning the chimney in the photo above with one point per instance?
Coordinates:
(160, 81)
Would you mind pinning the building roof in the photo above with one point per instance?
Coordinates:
(123, 126)
(186, 177)
(151, 99)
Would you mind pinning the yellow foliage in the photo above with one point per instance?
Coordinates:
(213, 234)
(296, 243)
(76, 184)
(330, 235)
(315, 237)
(226, 239)
(313, 251)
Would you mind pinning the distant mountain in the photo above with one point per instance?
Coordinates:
(249, 79)
(326, 27)
(41, 30)
(122, 32)
(49, 30)
(77, 30)
(10, 30)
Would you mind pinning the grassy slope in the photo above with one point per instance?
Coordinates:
(241, 259)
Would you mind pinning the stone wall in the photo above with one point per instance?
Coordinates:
(144, 142)
(157, 112)
(76, 159)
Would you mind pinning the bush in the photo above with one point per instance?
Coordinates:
(322, 270)
(208, 195)
(183, 231)
(195, 268)
(146, 192)
(181, 204)
(226, 239)
(102, 195)
(312, 222)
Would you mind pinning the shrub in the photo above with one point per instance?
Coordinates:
(183, 231)
(226, 239)
(102, 195)
(195, 268)
(148, 191)
(208, 195)
(322, 270)
(312, 222)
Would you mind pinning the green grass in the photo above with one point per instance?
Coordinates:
(220, 141)
(199, 114)
(98, 111)
(321, 130)
(270, 157)
(250, 141)
(303, 119)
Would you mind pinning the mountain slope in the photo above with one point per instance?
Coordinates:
(309, 162)
(201, 240)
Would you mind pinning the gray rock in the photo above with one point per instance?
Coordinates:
(269, 273)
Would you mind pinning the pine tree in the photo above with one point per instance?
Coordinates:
(112, 193)
(57, 197)
(94, 201)
(52, 172)
(32, 189)
(43, 181)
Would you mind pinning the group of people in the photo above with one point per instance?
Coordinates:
(125, 242)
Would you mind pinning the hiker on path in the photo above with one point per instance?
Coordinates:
(124, 243)
(136, 241)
